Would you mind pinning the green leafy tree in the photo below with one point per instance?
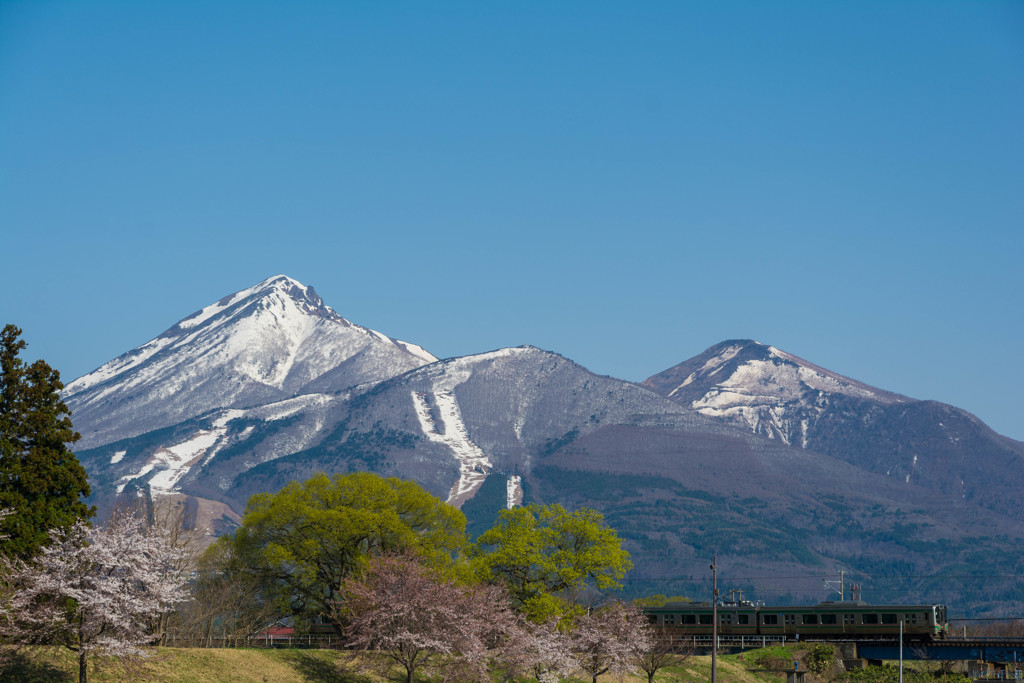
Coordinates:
(545, 554)
(302, 542)
(41, 480)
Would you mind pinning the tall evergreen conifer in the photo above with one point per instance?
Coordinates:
(40, 478)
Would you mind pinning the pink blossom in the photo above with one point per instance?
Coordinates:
(118, 577)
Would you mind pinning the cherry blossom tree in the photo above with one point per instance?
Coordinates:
(412, 616)
(94, 590)
(610, 639)
(7, 571)
(548, 652)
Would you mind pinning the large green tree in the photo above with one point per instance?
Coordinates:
(544, 555)
(302, 542)
(41, 480)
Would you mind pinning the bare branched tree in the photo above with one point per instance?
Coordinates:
(174, 520)
(663, 651)
(226, 607)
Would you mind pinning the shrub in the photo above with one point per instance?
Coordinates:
(821, 658)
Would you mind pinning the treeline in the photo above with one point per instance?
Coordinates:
(381, 562)
(387, 567)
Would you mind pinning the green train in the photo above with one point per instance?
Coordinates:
(849, 619)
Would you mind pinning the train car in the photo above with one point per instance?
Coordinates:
(695, 618)
(849, 619)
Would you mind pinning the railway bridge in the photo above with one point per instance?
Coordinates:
(996, 650)
(991, 654)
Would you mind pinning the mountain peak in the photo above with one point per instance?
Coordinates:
(270, 341)
(290, 287)
(761, 387)
(282, 286)
(741, 362)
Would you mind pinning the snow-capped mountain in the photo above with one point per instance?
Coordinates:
(527, 425)
(788, 399)
(453, 424)
(450, 425)
(771, 392)
(729, 467)
(263, 344)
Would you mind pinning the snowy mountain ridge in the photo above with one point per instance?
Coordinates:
(769, 391)
(787, 399)
(259, 345)
(791, 464)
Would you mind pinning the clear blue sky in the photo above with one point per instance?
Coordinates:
(623, 183)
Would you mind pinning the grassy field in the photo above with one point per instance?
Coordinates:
(182, 665)
(179, 665)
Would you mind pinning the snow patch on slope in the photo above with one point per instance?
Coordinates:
(775, 398)
(174, 462)
(415, 350)
(450, 430)
(513, 491)
(228, 416)
(290, 406)
(716, 362)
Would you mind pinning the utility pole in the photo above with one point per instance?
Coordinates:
(901, 648)
(714, 619)
(842, 585)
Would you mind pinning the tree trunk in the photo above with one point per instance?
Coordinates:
(650, 677)
(83, 656)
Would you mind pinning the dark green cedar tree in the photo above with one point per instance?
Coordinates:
(41, 480)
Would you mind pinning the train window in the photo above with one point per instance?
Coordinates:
(742, 619)
(789, 618)
(810, 619)
(828, 618)
(869, 619)
(705, 618)
(888, 618)
(670, 620)
(849, 618)
(770, 619)
(687, 618)
(726, 618)
(652, 619)
(913, 618)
